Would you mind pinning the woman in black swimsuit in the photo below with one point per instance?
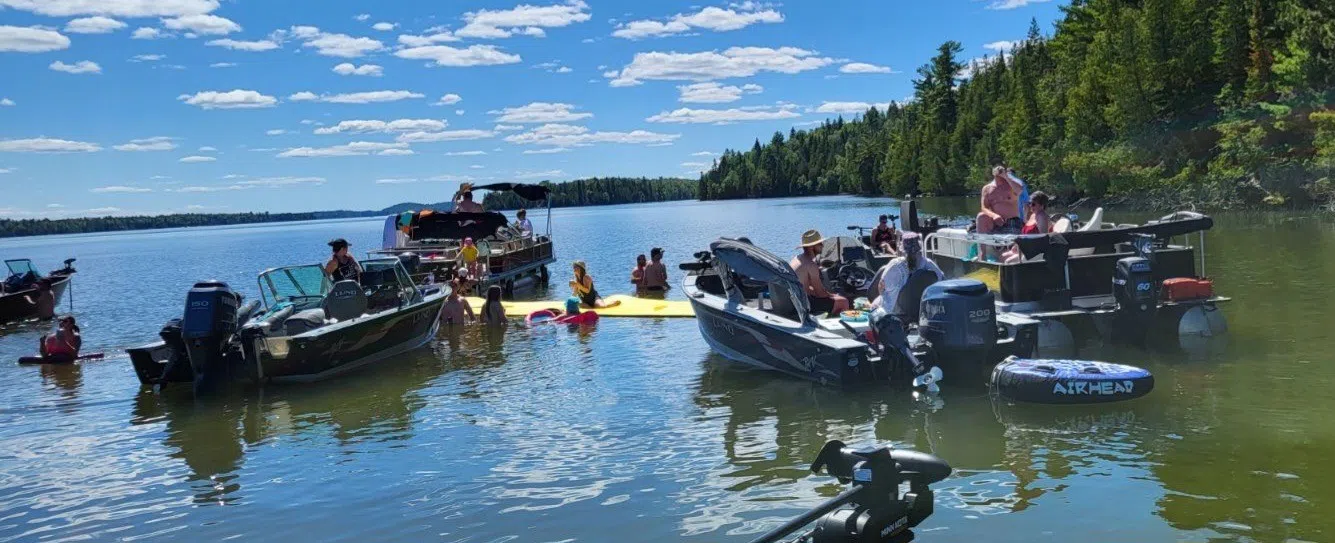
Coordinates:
(584, 289)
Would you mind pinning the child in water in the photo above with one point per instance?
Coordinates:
(456, 307)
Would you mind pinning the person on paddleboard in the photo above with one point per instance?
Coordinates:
(62, 346)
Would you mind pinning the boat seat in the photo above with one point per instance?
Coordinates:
(345, 301)
(1095, 223)
(781, 304)
(302, 322)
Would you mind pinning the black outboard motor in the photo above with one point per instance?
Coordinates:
(211, 313)
(1137, 297)
(959, 320)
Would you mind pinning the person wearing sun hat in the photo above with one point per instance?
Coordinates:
(808, 272)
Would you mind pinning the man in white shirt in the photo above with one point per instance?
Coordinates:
(897, 272)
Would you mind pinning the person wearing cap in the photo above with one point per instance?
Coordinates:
(808, 272)
(884, 237)
(583, 287)
(62, 346)
(342, 266)
(655, 273)
(896, 273)
(463, 200)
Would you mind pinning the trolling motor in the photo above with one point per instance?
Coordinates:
(871, 510)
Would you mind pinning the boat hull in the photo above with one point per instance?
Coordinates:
(15, 307)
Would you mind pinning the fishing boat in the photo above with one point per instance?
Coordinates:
(752, 308)
(304, 327)
(1094, 280)
(509, 258)
(21, 286)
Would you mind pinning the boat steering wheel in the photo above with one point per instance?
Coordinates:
(856, 277)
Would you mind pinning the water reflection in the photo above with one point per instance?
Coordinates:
(206, 436)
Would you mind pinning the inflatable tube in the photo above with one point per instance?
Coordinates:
(1069, 381)
(540, 316)
(587, 317)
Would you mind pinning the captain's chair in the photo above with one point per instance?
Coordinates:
(909, 304)
(781, 301)
(345, 301)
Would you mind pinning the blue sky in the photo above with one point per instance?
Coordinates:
(165, 106)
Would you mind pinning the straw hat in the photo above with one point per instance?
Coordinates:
(810, 238)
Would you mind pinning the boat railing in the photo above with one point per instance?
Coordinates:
(959, 244)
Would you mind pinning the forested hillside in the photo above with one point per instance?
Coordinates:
(1231, 99)
(602, 191)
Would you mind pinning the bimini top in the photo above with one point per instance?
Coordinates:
(527, 192)
(1177, 224)
(455, 225)
(757, 265)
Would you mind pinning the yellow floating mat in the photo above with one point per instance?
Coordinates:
(630, 306)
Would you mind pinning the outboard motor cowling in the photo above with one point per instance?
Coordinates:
(1134, 289)
(211, 310)
(959, 319)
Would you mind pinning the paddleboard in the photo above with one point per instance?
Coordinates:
(630, 307)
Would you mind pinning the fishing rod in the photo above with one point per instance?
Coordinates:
(871, 509)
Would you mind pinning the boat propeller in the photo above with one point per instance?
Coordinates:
(929, 380)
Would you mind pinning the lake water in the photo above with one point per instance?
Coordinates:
(632, 430)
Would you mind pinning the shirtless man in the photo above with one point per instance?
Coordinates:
(456, 307)
(44, 300)
(808, 272)
(463, 200)
(655, 273)
(1000, 205)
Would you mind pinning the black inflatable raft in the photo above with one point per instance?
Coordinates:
(1069, 381)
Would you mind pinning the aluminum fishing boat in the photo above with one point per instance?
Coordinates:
(20, 287)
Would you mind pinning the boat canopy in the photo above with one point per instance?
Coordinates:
(525, 191)
(759, 265)
(455, 225)
(1177, 224)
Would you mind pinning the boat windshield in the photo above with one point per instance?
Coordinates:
(20, 267)
(293, 284)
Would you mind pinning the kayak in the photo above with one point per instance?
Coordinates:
(630, 307)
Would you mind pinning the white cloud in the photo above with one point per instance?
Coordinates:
(564, 70)
(524, 19)
(566, 135)
(547, 151)
(55, 206)
(448, 100)
(149, 33)
(6, 170)
(80, 67)
(397, 181)
(363, 17)
(423, 41)
(233, 99)
(281, 181)
(384, 27)
(119, 189)
(709, 18)
(94, 25)
(465, 153)
(458, 112)
(197, 159)
(720, 116)
(6, 102)
(477, 166)
(705, 153)
(1012, 4)
(355, 97)
(447, 135)
(242, 45)
(147, 58)
(538, 175)
(711, 65)
(223, 65)
(539, 112)
(356, 148)
(19, 39)
(396, 152)
(696, 165)
(107, 210)
(207, 149)
(203, 24)
(397, 125)
(714, 93)
(850, 107)
(160, 143)
(348, 68)
(47, 145)
(446, 56)
(275, 132)
(1003, 46)
(336, 45)
(113, 8)
(198, 189)
(507, 127)
(864, 68)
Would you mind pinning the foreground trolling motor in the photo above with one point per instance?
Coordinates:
(871, 510)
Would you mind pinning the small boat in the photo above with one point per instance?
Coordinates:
(509, 259)
(751, 308)
(308, 328)
(21, 284)
(1097, 280)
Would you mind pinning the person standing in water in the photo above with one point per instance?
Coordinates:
(655, 274)
(62, 346)
(637, 273)
(342, 266)
(493, 313)
(584, 289)
(456, 307)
